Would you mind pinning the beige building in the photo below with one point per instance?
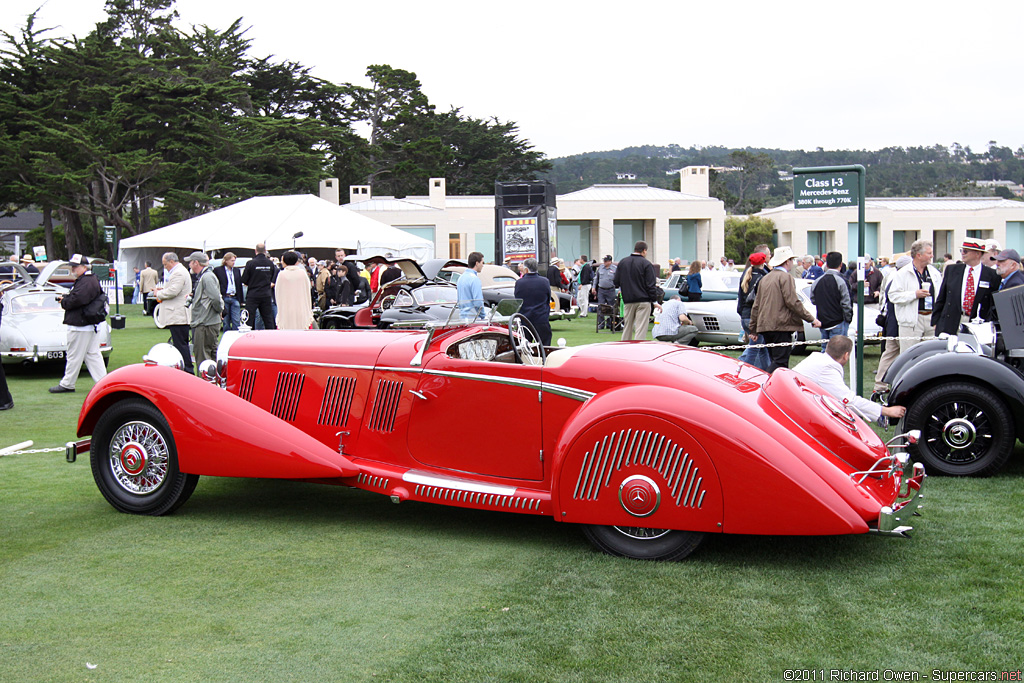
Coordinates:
(891, 225)
(602, 219)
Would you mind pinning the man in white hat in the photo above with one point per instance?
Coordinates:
(778, 312)
(83, 319)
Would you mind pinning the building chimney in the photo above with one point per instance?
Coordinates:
(438, 193)
(695, 180)
(329, 190)
(359, 193)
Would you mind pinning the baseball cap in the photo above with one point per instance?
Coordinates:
(198, 256)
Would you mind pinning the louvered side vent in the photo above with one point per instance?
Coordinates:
(640, 447)
(337, 401)
(385, 405)
(248, 382)
(286, 395)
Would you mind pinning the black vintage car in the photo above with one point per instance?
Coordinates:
(965, 393)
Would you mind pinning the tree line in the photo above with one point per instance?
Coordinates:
(757, 178)
(140, 124)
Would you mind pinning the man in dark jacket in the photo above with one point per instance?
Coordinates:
(259, 276)
(636, 278)
(83, 336)
(535, 291)
(831, 299)
(586, 284)
(966, 290)
(231, 291)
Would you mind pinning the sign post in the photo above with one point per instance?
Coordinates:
(825, 187)
(111, 235)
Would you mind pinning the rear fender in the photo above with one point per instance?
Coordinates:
(915, 353)
(216, 432)
(719, 471)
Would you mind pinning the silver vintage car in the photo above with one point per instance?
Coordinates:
(33, 327)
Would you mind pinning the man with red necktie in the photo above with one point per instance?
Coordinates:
(966, 291)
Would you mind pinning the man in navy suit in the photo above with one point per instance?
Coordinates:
(535, 291)
(231, 290)
(966, 290)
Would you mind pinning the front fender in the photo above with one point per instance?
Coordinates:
(216, 432)
(1004, 379)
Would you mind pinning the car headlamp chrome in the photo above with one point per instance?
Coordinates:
(166, 355)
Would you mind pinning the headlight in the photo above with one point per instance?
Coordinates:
(166, 355)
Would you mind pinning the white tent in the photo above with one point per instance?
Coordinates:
(274, 221)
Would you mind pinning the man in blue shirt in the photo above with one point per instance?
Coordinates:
(471, 292)
(535, 291)
(674, 325)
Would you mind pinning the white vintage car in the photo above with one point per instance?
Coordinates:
(718, 322)
(33, 327)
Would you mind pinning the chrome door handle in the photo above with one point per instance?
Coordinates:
(417, 394)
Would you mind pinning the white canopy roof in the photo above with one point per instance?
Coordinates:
(274, 221)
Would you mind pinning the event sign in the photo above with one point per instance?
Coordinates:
(825, 190)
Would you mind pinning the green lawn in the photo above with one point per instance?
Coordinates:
(256, 580)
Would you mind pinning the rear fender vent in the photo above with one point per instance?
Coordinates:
(711, 324)
(286, 395)
(385, 405)
(627, 447)
(337, 401)
(247, 383)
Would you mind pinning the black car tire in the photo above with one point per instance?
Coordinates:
(961, 413)
(643, 544)
(135, 462)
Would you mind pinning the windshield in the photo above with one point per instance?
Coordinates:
(36, 302)
(429, 296)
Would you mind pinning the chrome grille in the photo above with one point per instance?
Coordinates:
(338, 393)
(286, 395)
(638, 447)
(385, 405)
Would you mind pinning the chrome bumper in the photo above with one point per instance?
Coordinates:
(893, 520)
(73, 448)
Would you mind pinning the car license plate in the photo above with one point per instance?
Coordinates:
(54, 355)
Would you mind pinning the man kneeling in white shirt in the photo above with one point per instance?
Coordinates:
(826, 370)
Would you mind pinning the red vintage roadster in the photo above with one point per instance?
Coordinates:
(646, 445)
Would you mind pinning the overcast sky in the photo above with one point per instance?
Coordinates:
(588, 76)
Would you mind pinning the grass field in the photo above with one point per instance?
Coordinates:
(257, 580)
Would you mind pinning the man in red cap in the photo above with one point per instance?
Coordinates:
(966, 291)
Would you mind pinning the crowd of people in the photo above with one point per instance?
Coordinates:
(917, 300)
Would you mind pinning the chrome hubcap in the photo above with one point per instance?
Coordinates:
(959, 433)
(139, 457)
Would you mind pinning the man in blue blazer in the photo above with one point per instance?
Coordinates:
(231, 291)
(1009, 269)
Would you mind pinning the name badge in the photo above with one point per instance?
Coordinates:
(984, 284)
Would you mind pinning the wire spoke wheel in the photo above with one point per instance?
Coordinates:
(135, 462)
(641, 543)
(139, 457)
(966, 429)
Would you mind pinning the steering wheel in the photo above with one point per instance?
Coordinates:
(525, 340)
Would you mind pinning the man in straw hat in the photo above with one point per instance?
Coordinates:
(966, 290)
(778, 312)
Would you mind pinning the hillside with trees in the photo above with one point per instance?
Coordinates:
(751, 179)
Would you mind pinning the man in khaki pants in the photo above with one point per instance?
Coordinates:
(636, 278)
